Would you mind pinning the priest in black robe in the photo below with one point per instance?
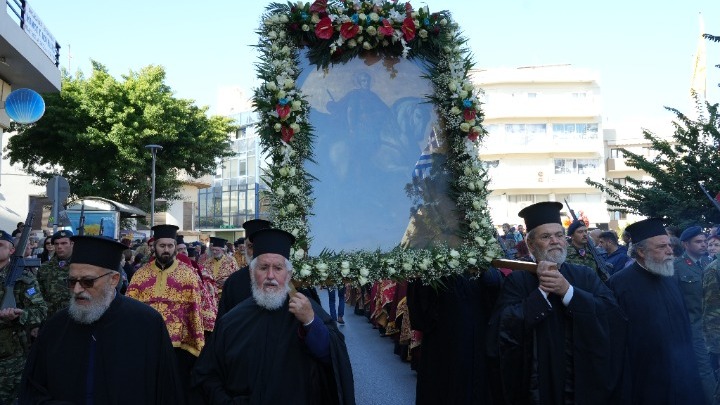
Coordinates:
(104, 348)
(557, 335)
(279, 347)
(661, 362)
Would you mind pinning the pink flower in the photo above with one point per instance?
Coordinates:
(318, 6)
(408, 28)
(286, 133)
(282, 110)
(349, 30)
(324, 28)
(469, 114)
(386, 29)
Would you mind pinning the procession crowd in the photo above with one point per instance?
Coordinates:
(169, 322)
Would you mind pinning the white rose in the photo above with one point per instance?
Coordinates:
(305, 272)
(407, 266)
(291, 207)
(443, 21)
(480, 184)
(364, 272)
(362, 16)
(362, 280)
(271, 86)
(374, 17)
(454, 253)
(295, 127)
(455, 111)
(463, 94)
(294, 190)
(352, 43)
(474, 225)
(315, 18)
(472, 261)
(423, 33)
(295, 232)
(391, 271)
(299, 254)
(289, 84)
(272, 35)
(283, 171)
(476, 205)
(281, 94)
(453, 263)
(292, 171)
(371, 30)
(422, 266)
(282, 34)
(471, 186)
(296, 105)
(322, 267)
(283, 18)
(280, 192)
(277, 127)
(345, 264)
(305, 27)
(345, 272)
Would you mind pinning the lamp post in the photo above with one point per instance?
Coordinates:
(153, 150)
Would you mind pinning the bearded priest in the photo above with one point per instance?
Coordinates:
(661, 361)
(104, 348)
(278, 338)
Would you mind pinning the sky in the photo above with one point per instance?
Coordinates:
(643, 50)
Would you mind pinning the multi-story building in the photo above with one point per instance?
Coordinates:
(544, 139)
(235, 193)
(29, 58)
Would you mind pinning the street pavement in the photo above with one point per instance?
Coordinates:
(381, 378)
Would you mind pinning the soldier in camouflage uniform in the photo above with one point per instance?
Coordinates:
(53, 273)
(16, 323)
(578, 252)
(711, 314)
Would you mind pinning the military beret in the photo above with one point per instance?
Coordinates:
(690, 233)
(574, 226)
(61, 234)
(7, 237)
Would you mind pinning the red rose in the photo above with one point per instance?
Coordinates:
(408, 29)
(348, 30)
(324, 28)
(318, 6)
(286, 133)
(282, 110)
(387, 29)
(469, 114)
(473, 136)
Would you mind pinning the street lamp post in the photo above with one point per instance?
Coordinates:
(153, 150)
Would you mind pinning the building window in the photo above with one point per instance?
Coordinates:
(620, 180)
(576, 166)
(616, 153)
(532, 95)
(575, 131)
(579, 95)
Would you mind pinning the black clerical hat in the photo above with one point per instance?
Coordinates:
(97, 251)
(239, 241)
(547, 212)
(255, 225)
(272, 241)
(179, 240)
(164, 231)
(217, 242)
(647, 228)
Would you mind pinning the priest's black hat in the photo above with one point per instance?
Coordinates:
(647, 228)
(239, 241)
(165, 231)
(255, 225)
(217, 242)
(179, 240)
(547, 212)
(97, 251)
(272, 241)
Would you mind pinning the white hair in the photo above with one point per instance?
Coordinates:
(269, 300)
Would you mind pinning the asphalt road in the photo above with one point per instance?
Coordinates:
(381, 378)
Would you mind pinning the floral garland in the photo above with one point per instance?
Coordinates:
(337, 32)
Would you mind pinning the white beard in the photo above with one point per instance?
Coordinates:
(91, 313)
(664, 268)
(269, 300)
(554, 256)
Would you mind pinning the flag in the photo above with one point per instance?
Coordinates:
(425, 161)
(699, 75)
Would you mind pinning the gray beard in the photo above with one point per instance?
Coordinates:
(96, 309)
(269, 300)
(664, 268)
(555, 257)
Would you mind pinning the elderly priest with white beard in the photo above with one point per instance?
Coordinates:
(104, 348)
(277, 347)
(557, 336)
(661, 361)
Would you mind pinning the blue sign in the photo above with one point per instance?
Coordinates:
(24, 106)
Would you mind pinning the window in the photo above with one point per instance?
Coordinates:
(576, 166)
(532, 95)
(575, 131)
(616, 153)
(579, 95)
(620, 180)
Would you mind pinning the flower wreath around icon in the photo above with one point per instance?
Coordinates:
(334, 33)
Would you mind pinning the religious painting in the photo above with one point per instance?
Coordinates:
(373, 128)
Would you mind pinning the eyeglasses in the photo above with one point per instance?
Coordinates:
(84, 282)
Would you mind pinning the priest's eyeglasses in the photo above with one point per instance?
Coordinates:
(84, 282)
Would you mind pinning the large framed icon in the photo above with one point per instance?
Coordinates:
(373, 128)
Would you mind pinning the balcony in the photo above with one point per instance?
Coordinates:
(541, 180)
(542, 143)
(199, 182)
(29, 54)
(618, 165)
(545, 107)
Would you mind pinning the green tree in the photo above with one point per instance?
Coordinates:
(95, 130)
(677, 167)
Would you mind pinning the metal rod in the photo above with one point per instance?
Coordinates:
(153, 150)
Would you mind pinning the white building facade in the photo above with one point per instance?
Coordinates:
(544, 139)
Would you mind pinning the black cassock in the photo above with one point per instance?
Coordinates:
(257, 356)
(557, 354)
(661, 362)
(123, 358)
